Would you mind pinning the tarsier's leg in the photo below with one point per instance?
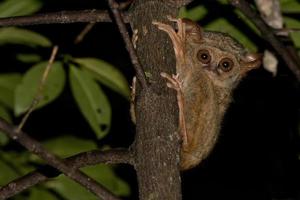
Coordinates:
(174, 83)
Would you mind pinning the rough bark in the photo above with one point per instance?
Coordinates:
(157, 142)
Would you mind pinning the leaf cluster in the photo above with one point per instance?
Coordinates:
(86, 77)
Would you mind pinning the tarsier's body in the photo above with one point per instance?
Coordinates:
(209, 65)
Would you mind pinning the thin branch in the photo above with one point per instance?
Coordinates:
(62, 17)
(129, 46)
(39, 94)
(286, 31)
(292, 61)
(113, 156)
(84, 32)
(52, 160)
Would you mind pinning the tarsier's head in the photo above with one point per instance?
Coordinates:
(223, 59)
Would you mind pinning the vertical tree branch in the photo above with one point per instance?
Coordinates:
(157, 142)
(129, 46)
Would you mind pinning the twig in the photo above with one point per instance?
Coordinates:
(52, 160)
(267, 33)
(90, 25)
(83, 33)
(62, 17)
(39, 93)
(113, 156)
(129, 46)
(286, 31)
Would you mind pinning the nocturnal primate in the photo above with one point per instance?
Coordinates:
(209, 65)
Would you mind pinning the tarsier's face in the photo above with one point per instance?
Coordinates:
(223, 59)
(222, 67)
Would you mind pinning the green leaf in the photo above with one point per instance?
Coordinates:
(18, 161)
(7, 173)
(105, 175)
(290, 6)
(91, 100)
(11, 8)
(101, 173)
(65, 146)
(196, 13)
(29, 58)
(38, 194)
(13, 35)
(224, 2)
(222, 25)
(69, 189)
(106, 74)
(8, 84)
(27, 89)
(5, 115)
(293, 23)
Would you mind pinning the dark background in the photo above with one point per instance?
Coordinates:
(256, 156)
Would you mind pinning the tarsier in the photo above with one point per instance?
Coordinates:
(209, 65)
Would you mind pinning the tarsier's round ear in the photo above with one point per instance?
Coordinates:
(251, 61)
(192, 29)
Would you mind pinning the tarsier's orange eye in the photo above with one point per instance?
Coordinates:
(226, 64)
(203, 56)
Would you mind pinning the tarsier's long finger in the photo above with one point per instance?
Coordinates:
(180, 26)
(172, 83)
(176, 40)
(168, 29)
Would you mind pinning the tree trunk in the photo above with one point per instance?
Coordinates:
(157, 144)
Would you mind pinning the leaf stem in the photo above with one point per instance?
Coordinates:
(39, 94)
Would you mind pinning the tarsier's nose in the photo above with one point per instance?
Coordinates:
(210, 67)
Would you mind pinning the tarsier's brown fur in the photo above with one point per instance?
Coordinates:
(204, 89)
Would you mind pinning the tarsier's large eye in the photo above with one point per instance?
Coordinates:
(203, 56)
(226, 64)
